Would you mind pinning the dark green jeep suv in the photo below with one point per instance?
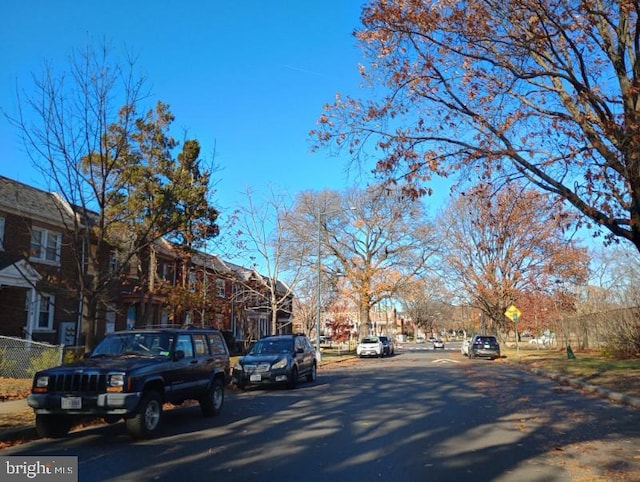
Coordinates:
(130, 375)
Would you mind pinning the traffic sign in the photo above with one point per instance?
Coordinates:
(513, 313)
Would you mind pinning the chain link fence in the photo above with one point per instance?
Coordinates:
(23, 358)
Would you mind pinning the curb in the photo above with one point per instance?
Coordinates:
(14, 435)
(623, 398)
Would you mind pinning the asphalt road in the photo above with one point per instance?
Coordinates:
(420, 415)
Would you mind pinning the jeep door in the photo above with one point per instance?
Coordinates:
(219, 354)
(205, 362)
(182, 378)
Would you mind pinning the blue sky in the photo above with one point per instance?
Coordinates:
(248, 77)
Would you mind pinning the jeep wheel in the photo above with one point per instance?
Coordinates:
(311, 376)
(211, 403)
(52, 426)
(146, 422)
(294, 378)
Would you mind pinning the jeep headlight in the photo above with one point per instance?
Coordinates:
(41, 384)
(115, 382)
(237, 366)
(280, 364)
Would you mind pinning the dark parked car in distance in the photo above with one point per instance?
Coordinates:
(388, 347)
(485, 346)
(278, 359)
(130, 375)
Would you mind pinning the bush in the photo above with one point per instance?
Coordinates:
(7, 363)
(47, 359)
(623, 340)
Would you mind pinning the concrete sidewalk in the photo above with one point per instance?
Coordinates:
(27, 430)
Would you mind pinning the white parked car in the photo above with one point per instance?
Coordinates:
(370, 346)
(542, 340)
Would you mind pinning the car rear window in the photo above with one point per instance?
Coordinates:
(486, 339)
(369, 340)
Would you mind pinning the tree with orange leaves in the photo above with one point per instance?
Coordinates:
(540, 90)
(499, 245)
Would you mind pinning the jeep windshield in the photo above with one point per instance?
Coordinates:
(151, 344)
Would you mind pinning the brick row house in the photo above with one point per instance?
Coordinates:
(40, 299)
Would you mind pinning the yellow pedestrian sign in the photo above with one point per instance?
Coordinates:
(513, 313)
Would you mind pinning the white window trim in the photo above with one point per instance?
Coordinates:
(43, 246)
(221, 288)
(52, 309)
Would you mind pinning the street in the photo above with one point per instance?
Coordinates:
(420, 415)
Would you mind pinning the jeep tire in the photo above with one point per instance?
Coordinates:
(146, 422)
(211, 403)
(52, 426)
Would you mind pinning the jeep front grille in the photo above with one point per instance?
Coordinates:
(78, 382)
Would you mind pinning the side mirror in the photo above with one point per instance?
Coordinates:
(178, 355)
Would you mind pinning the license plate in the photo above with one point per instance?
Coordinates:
(255, 378)
(487, 346)
(71, 403)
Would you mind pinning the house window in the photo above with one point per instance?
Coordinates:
(220, 288)
(192, 279)
(45, 245)
(1, 233)
(113, 262)
(165, 271)
(45, 305)
(238, 292)
(110, 319)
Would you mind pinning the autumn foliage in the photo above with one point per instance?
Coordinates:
(535, 90)
(509, 247)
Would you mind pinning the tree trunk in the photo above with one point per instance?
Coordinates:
(365, 320)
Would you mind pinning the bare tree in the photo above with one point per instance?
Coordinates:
(261, 236)
(426, 303)
(542, 90)
(376, 239)
(615, 277)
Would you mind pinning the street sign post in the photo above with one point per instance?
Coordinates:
(514, 314)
